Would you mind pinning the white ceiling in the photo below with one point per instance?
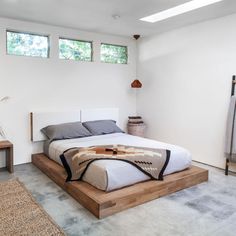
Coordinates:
(96, 15)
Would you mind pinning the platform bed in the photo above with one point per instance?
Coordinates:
(103, 204)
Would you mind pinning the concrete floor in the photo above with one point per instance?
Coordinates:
(203, 210)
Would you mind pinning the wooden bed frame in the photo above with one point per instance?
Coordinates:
(103, 204)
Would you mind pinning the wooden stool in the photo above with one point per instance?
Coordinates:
(8, 147)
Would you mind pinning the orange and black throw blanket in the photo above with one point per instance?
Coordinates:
(152, 162)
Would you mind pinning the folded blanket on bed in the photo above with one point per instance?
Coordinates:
(152, 162)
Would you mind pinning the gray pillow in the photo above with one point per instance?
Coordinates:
(99, 127)
(66, 131)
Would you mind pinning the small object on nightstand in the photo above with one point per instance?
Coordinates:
(8, 147)
(136, 126)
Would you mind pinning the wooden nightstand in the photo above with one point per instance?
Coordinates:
(8, 147)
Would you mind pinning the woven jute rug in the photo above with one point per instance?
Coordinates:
(21, 215)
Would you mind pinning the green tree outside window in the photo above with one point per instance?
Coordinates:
(24, 44)
(75, 50)
(114, 54)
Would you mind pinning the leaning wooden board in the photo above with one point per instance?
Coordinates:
(103, 204)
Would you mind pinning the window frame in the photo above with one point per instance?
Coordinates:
(30, 33)
(117, 45)
(80, 40)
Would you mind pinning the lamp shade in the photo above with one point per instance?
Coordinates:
(4, 99)
(136, 84)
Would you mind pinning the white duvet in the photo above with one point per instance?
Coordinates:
(108, 175)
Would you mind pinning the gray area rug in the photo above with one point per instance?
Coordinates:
(203, 210)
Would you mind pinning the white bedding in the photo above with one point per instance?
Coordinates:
(110, 174)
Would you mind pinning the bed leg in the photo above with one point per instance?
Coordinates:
(227, 167)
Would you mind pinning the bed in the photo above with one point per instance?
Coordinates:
(110, 175)
(110, 186)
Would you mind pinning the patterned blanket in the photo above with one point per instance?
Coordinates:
(152, 162)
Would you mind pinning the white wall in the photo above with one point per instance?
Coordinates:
(186, 75)
(52, 84)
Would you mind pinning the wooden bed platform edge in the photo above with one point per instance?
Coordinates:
(103, 204)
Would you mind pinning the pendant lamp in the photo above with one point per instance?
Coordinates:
(136, 83)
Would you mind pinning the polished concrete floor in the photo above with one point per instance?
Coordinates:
(203, 210)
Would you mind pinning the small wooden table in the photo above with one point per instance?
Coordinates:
(8, 147)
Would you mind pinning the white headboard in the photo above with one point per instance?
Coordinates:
(40, 120)
(100, 114)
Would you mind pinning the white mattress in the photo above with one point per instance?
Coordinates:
(110, 174)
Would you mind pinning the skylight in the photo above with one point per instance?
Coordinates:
(180, 9)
